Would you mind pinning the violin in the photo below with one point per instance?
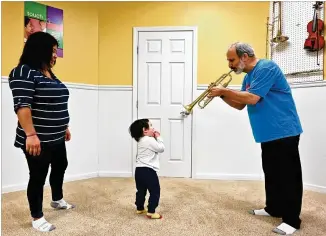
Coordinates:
(315, 40)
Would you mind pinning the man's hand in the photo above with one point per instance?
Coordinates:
(68, 135)
(215, 92)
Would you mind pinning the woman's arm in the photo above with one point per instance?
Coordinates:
(25, 119)
(22, 85)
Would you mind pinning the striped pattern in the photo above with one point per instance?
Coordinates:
(48, 100)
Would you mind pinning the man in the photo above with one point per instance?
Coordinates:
(276, 125)
(28, 28)
(42, 25)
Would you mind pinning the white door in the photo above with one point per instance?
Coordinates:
(165, 78)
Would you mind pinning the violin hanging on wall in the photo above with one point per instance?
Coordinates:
(315, 40)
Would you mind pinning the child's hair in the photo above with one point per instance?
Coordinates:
(136, 128)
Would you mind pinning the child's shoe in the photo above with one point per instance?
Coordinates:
(141, 211)
(154, 216)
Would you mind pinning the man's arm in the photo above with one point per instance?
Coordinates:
(264, 80)
(233, 103)
(242, 97)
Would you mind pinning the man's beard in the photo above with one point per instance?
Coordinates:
(240, 68)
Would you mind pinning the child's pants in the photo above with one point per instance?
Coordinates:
(147, 179)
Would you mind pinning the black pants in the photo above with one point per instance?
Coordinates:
(283, 179)
(38, 169)
(147, 179)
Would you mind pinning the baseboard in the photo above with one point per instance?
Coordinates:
(234, 177)
(68, 178)
(114, 174)
(228, 176)
(311, 187)
(314, 188)
(231, 177)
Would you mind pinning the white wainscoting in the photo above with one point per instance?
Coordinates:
(115, 144)
(82, 149)
(223, 144)
(224, 147)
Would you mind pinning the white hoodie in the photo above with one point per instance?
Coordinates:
(147, 152)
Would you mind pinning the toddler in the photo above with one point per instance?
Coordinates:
(149, 144)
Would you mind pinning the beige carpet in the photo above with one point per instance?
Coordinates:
(105, 206)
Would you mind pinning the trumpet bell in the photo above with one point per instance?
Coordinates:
(187, 110)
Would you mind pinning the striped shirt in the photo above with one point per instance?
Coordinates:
(48, 100)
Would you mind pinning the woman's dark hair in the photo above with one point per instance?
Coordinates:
(136, 128)
(38, 50)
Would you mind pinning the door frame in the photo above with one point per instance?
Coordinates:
(136, 31)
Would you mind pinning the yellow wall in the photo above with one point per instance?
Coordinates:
(80, 53)
(98, 35)
(219, 24)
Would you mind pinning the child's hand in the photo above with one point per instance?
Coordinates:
(156, 134)
(149, 132)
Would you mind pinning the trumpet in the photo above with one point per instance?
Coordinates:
(202, 102)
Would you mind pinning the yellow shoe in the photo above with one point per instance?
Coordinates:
(154, 216)
(141, 212)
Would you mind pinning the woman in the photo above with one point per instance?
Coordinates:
(41, 104)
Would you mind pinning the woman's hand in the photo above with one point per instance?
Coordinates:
(33, 145)
(68, 135)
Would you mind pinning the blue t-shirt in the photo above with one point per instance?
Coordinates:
(275, 115)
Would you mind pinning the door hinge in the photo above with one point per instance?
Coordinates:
(137, 104)
(137, 49)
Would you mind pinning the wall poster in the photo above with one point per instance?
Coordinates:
(39, 17)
